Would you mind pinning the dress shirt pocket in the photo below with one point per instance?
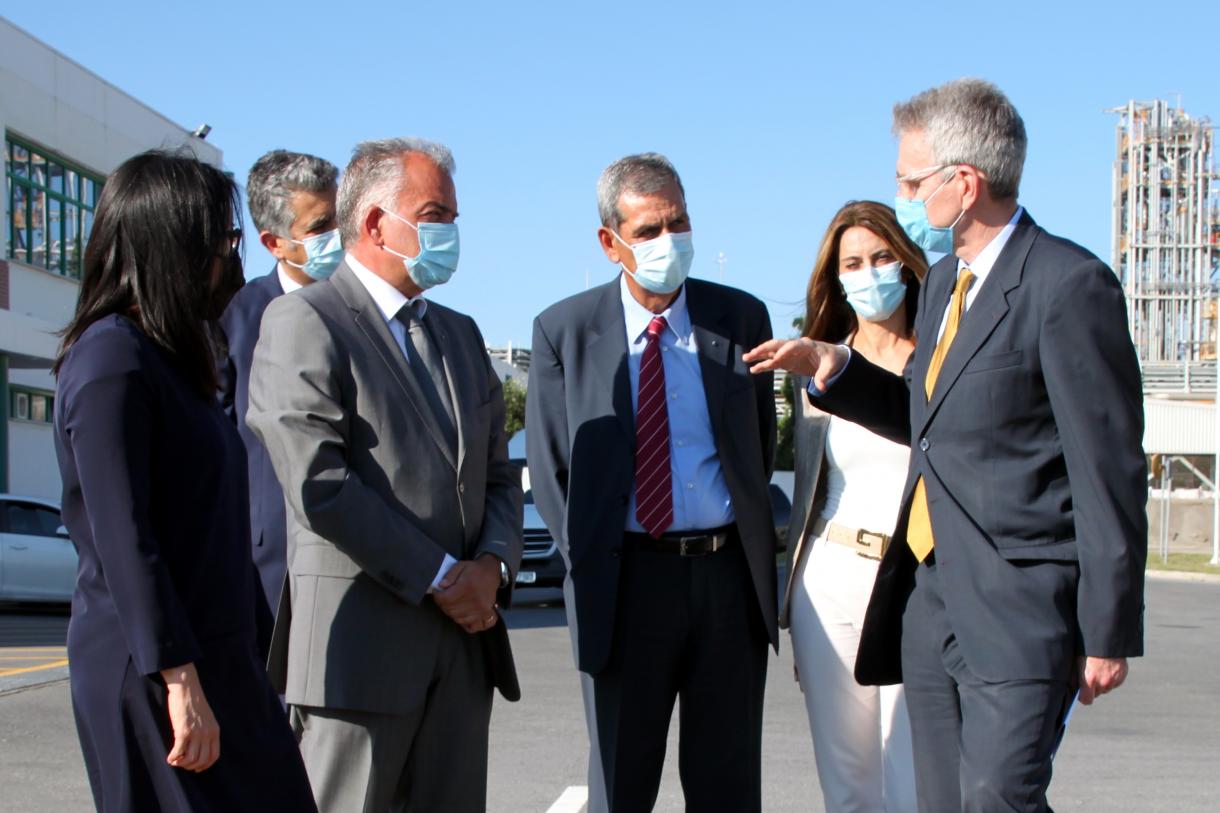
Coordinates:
(994, 361)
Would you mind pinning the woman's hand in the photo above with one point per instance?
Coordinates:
(196, 732)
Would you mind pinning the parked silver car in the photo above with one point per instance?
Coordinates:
(37, 559)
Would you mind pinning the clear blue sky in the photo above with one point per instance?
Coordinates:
(774, 113)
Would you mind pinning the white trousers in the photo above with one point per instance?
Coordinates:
(861, 734)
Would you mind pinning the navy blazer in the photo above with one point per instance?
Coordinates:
(154, 496)
(1030, 449)
(581, 440)
(268, 524)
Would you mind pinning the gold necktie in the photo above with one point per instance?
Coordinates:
(919, 524)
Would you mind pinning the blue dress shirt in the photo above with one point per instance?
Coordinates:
(701, 498)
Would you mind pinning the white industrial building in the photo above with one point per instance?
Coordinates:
(64, 130)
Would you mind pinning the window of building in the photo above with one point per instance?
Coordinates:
(50, 208)
(31, 405)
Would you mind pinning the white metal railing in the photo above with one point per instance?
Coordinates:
(1185, 379)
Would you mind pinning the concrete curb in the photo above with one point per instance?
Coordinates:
(1183, 576)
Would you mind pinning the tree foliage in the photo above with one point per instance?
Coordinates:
(514, 407)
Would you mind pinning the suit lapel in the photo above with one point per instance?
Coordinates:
(714, 345)
(456, 374)
(980, 321)
(369, 319)
(607, 348)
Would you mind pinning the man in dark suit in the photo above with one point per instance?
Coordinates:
(292, 203)
(1015, 575)
(650, 449)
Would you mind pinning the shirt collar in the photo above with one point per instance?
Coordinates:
(982, 264)
(286, 282)
(389, 300)
(637, 317)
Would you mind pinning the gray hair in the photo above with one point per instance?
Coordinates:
(969, 121)
(643, 174)
(374, 177)
(274, 179)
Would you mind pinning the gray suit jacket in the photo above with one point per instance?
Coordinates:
(809, 425)
(376, 497)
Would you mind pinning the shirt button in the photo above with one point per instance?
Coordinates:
(923, 444)
(681, 443)
(690, 486)
(673, 396)
(664, 349)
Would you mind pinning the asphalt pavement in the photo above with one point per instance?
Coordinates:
(1154, 745)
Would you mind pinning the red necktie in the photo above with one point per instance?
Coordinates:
(654, 501)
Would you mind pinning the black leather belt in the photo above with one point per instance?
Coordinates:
(684, 543)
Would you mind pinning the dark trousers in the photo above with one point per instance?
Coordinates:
(979, 747)
(686, 628)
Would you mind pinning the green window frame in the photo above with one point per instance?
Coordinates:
(50, 207)
(30, 405)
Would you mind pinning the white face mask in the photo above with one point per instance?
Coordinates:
(663, 263)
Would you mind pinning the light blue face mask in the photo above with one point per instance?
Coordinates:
(663, 263)
(324, 252)
(439, 248)
(875, 293)
(913, 217)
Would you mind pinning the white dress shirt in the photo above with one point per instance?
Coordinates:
(981, 267)
(389, 301)
(286, 282)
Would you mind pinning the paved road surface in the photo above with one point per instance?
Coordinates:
(1152, 746)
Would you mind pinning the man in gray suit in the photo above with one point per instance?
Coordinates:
(650, 449)
(385, 424)
(1016, 574)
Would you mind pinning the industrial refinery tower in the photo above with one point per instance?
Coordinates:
(1166, 240)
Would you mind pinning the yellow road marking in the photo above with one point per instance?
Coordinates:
(33, 649)
(23, 670)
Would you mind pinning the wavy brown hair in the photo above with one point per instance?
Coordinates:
(828, 316)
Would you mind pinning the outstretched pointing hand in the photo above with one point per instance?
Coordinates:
(818, 360)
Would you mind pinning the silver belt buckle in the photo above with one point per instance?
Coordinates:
(873, 544)
(684, 545)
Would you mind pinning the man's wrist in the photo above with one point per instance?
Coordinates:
(501, 567)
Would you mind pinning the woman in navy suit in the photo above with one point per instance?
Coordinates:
(173, 709)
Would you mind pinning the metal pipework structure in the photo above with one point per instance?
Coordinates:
(1166, 230)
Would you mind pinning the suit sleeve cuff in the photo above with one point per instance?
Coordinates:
(814, 392)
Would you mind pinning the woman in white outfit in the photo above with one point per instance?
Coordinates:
(863, 292)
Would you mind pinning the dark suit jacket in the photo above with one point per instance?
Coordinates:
(268, 526)
(154, 497)
(581, 440)
(1030, 449)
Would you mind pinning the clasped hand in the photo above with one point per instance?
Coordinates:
(817, 360)
(467, 594)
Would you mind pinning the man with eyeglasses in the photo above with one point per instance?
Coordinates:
(292, 202)
(1014, 584)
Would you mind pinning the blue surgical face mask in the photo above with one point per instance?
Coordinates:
(875, 293)
(439, 248)
(913, 217)
(663, 263)
(324, 252)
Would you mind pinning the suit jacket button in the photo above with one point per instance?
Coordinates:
(923, 444)
(616, 552)
(461, 488)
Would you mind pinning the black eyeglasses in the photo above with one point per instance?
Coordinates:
(234, 236)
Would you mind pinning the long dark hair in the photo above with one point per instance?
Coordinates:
(162, 220)
(828, 316)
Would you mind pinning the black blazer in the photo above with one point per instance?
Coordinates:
(268, 524)
(581, 440)
(1030, 449)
